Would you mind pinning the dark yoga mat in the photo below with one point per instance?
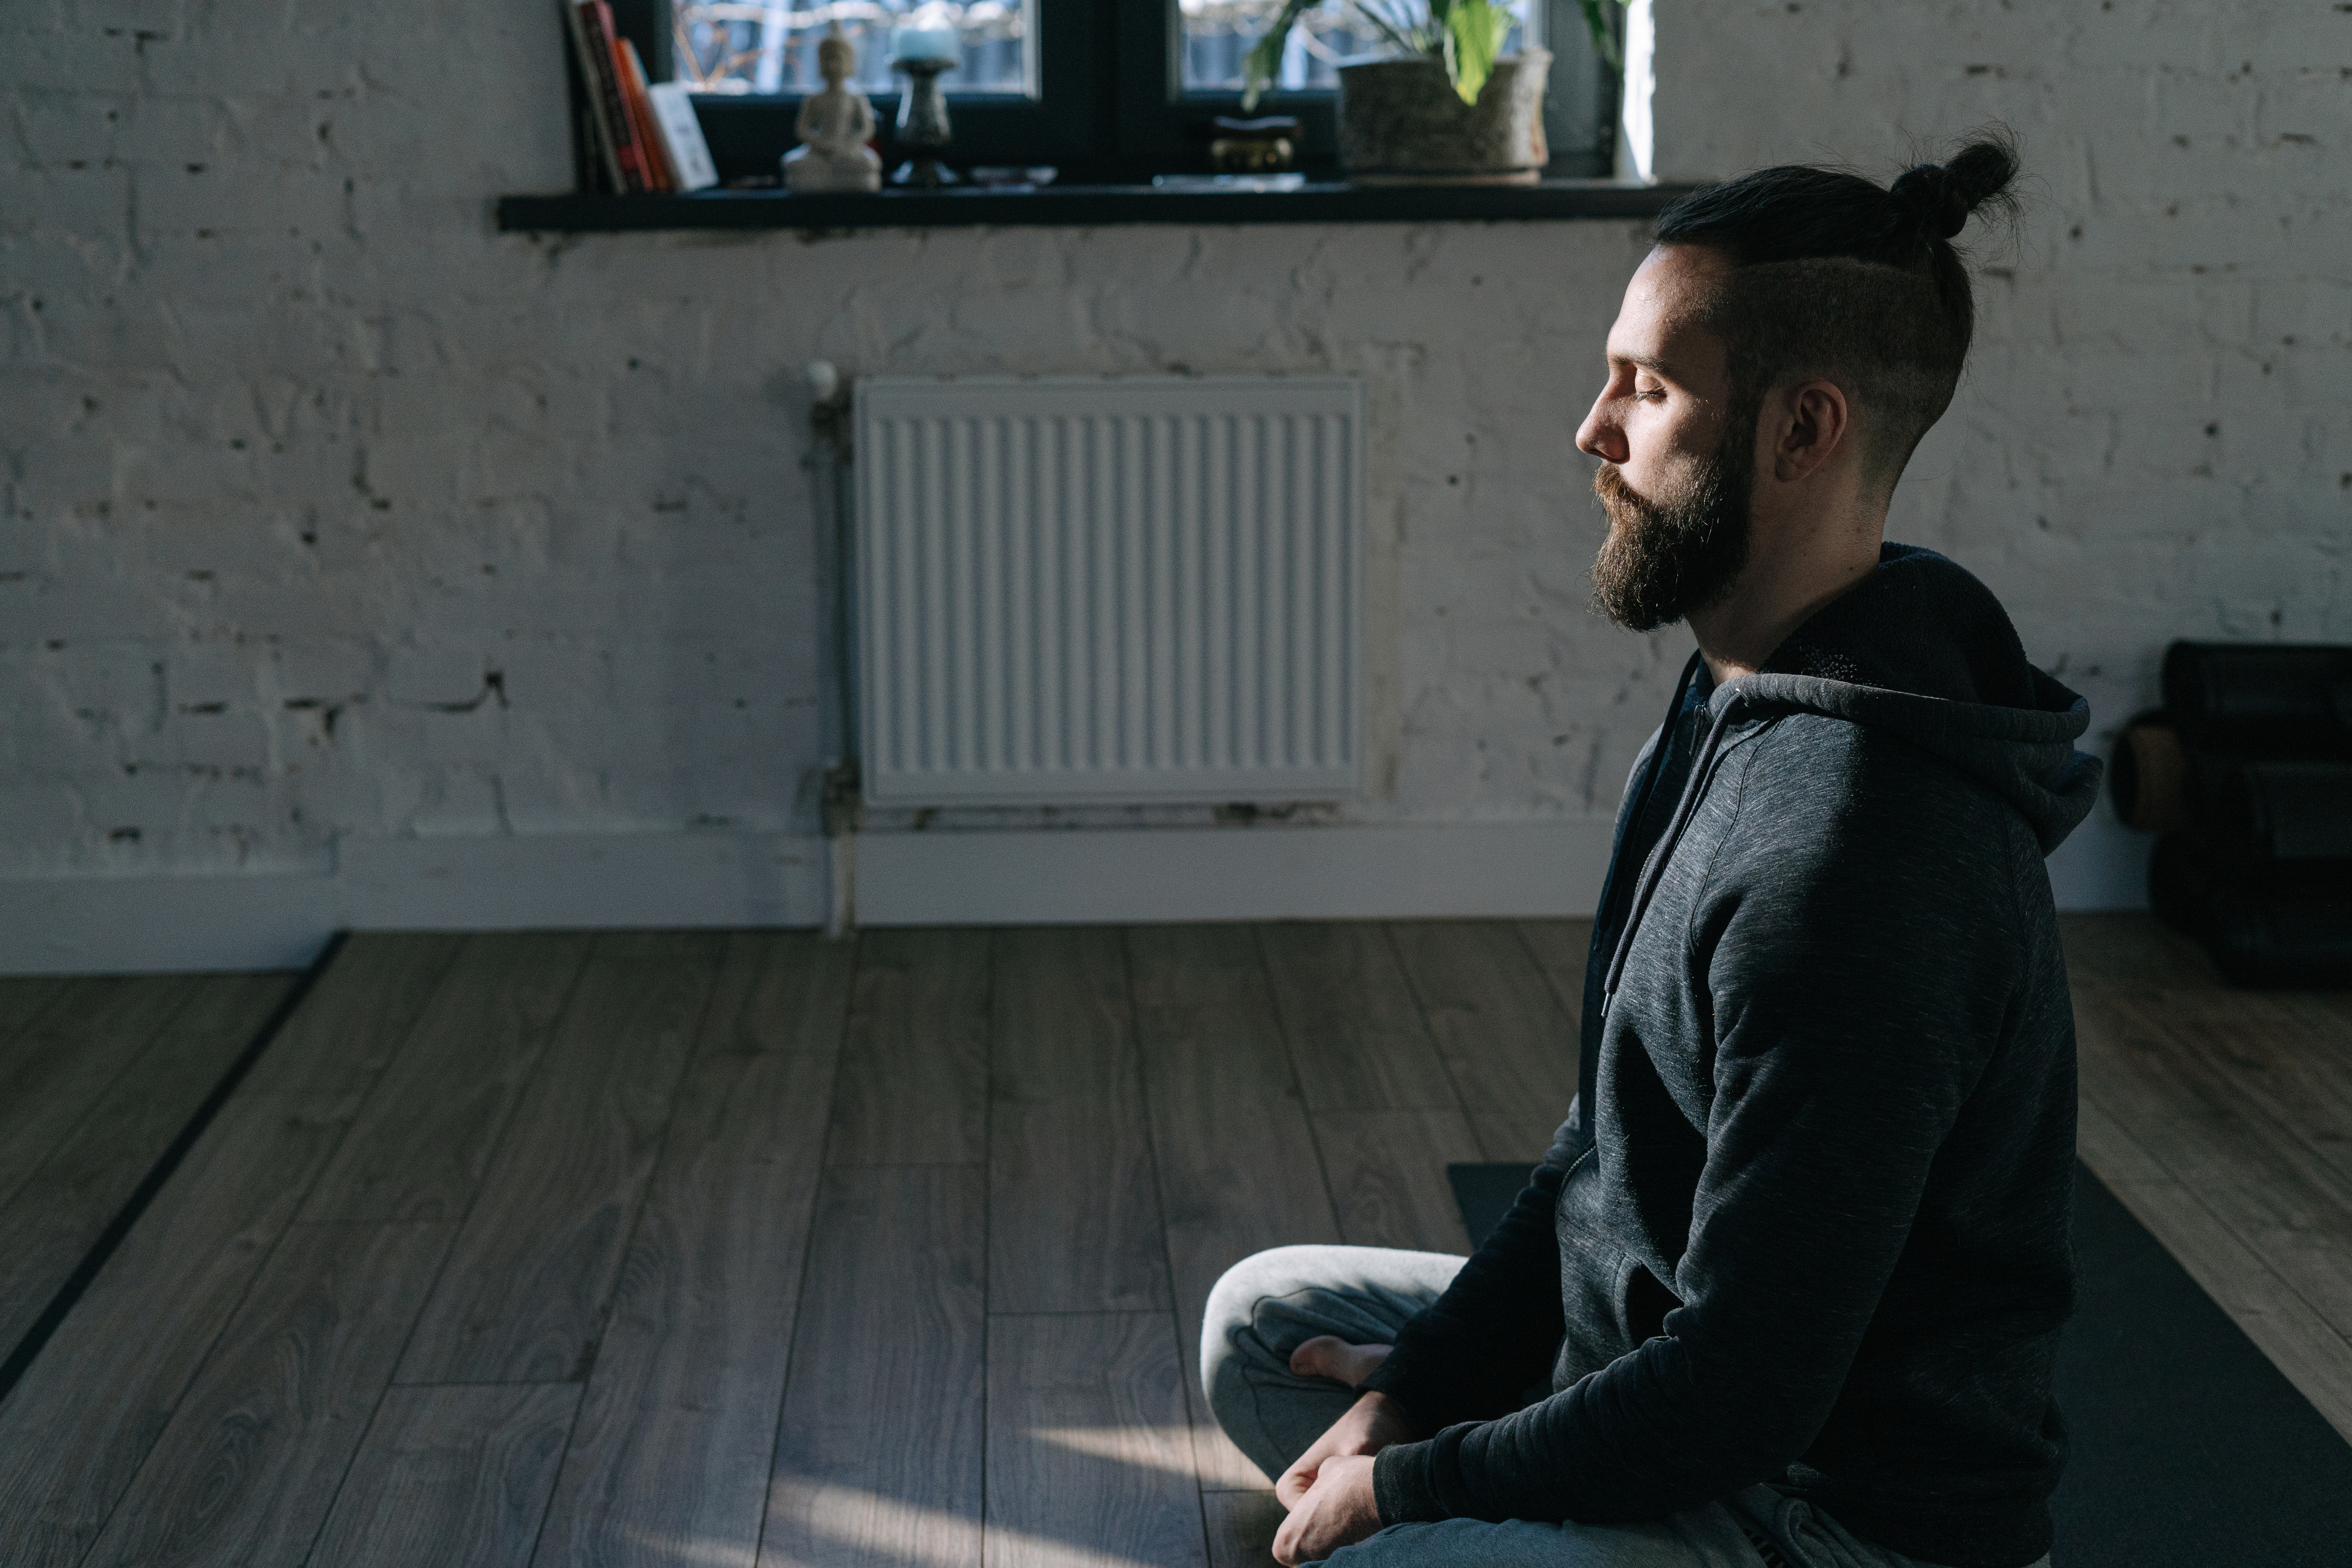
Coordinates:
(2189, 1450)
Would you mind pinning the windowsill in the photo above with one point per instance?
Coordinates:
(1079, 206)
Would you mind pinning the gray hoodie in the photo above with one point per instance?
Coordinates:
(1815, 1232)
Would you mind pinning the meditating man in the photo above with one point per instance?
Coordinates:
(1788, 1286)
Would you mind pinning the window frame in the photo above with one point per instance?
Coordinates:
(1109, 108)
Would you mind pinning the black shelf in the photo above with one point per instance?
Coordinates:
(1084, 206)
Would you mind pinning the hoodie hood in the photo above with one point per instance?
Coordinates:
(1923, 650)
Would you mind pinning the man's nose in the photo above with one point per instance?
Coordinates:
(1599, 437)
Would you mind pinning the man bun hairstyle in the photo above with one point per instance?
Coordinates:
(1834, 276)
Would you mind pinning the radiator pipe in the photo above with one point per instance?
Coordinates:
(841, 807)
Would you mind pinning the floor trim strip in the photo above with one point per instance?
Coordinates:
(21, 1357)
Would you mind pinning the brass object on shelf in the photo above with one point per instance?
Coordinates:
(1264, 146)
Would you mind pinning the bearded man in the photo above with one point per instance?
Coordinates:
(1788, 1286)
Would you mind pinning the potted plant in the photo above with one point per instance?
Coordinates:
(1448, 108)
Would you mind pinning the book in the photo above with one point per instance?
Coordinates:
(681, 135)
(596, 16)
(658, 173)
(588, 172)
(583, 54)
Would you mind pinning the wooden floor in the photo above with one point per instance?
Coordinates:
(715, 1248)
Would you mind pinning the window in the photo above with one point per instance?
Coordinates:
(769, 46)
(1109, 92)
(1217, 34)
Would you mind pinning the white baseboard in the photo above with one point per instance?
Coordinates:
(2102, 866)
(1231, 873)
(97, 925)
(1389, 872)
(121, 925)
(604, 881)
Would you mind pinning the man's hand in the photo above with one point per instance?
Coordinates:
(1329, 1490)
(1338, 1510)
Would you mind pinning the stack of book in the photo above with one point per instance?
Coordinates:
(647, 139)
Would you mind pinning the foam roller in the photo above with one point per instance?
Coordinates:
(2261, 699)
(2148, 777)
(2286, 924)
(2270, 811)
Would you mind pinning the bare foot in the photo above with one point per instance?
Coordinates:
(1328, 1355)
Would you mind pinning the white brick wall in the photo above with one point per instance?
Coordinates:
(331, 513)
(2155, 438)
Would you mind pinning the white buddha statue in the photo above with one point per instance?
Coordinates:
(834, 127)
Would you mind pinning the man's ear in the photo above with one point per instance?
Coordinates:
(1814, 422)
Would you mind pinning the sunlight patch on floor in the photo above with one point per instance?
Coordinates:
(1168, 1448)
(890, 1529)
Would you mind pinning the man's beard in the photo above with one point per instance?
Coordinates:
(1664, 558)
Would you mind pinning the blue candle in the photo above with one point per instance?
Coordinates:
(926, 44)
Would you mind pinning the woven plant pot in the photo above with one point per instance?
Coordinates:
(1402, 123)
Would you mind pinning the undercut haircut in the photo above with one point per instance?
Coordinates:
(1834, 276)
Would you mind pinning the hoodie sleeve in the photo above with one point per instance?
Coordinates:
(1860, 971)
(1475, 1352)
(1472, 1352)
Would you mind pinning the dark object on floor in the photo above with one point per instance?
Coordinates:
(1484, 1194)
(2261, 699)
(2247, 772)
(2279, 923)
(2188, 1448)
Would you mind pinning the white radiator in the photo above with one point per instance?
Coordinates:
(1084, 590)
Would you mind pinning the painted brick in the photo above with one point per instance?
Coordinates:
(579, 463)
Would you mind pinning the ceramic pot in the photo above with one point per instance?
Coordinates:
(1402, 123)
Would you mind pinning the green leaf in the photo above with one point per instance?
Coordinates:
(1604, 36)
(1389, 19)
(1474, 31)
(1266, 58)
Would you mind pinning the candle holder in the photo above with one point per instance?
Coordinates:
(923, 125)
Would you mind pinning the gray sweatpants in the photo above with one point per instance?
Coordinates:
(1268, 1305)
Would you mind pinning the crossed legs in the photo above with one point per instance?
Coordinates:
(1268, 1305)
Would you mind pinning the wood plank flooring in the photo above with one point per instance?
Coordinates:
(102, 1138)
(2223, 1120)
(678, 1417)
(257, 1447)
(880, 1447)
(751, 1249)
(530, 1276)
